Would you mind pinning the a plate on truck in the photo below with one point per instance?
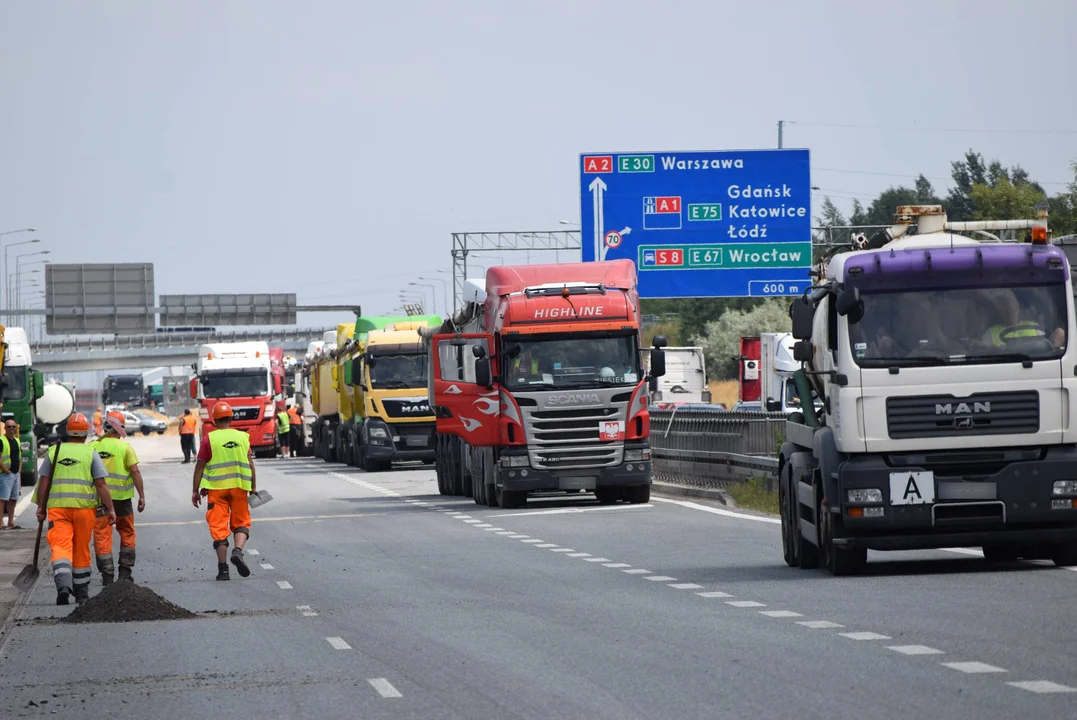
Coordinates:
(912, 488)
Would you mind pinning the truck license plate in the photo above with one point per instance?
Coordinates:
(912, 488)
(416, 440)
(576, 483)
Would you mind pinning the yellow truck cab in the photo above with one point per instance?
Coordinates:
(393, 418)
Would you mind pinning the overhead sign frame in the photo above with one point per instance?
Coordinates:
(731, 223)
(236, 309)
(95, 298)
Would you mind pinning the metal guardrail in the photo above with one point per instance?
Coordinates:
(705, 446)
(179, 339)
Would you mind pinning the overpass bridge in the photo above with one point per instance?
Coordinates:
(151, 350)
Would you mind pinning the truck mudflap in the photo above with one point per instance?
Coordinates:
(1003, 496)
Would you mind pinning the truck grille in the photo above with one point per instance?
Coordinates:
(569, 439)
(950, 416)
(245, 413)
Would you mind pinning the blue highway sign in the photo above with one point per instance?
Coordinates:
(734, 223)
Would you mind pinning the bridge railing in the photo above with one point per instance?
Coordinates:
(705, 446)
(166, 340)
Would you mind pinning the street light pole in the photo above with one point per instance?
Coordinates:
(444, 290)
(18, 272)
(433, 295)
(11, 245)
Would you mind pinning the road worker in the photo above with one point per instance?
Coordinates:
(295, 432)
(224, 475)
(97, 420)
(188, 429)
(124, 478)
(73, 485)
(284, 426)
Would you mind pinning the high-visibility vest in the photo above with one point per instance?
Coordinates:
(113, 452)
(229, 464)
(534, 365)
(71, 485)
(189, 426)
(293, 417)
(1029, 329)
(283, 424)
(5, 452)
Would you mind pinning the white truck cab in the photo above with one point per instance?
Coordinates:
(945, 363)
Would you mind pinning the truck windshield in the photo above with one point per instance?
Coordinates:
(237, 384)
(14, 387)
(394, 372)
(124, 389)
(961, 326)
(576, 361)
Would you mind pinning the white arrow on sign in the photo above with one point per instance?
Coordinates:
(597, 187)
(626, 231)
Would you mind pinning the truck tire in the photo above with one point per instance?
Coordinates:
(838, 561)
(478, 477)
(788, 510)
(1064, 554)
(452, 460)
(490, 476)
(638, 494)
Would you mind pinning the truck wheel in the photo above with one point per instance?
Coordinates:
(790, 526)
(1064, 554)
(839, 562)
(607, 495)
(452, 454)
(1001, 553)
(638, 494)
(478, 480)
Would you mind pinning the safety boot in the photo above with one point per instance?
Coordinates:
(125, 574)
(222, 571)
(240, 563)
(127, 563)
(82, 593)
(63, 596)
(107, 568)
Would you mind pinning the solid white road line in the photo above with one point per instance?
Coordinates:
(686, 586)
(717, 511)
(714, 594)
(865, 636)
(284, 585)
(565, 511)
(818, 624)
(384, 688)
(973, 667)
(780, 613)
(659, 578)
(338, 643)
(1042, 687)
(914, 650)
(744, 603)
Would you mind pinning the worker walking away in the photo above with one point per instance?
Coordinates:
(295, 432)
(224, 475)
(284, 426)
(124, 478)
(98, 418)
(188, 428)
(72, 485)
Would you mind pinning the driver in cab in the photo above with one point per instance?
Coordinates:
(525, 367)
(1018, 320)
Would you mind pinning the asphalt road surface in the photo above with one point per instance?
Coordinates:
(374, 597)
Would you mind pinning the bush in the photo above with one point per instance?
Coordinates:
(721, 338)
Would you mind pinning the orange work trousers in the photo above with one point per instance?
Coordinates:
(227, 512)
(102, 533)
(70, 534)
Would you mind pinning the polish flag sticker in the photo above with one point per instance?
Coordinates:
(611, 430)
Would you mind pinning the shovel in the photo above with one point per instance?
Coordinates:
(28, 576)
(258, 498)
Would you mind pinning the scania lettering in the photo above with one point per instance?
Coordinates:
(537, 385)
(946, 364)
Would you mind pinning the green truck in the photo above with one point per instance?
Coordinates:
(20, 388)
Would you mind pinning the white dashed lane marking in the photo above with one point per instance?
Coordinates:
(1042, 687)
(914, 650)
(714, 594)
(745, 603)
(616, 565)
(598, 559)
(579, 554)
(686, 586)
(546, 545)
(250, 551)
(531, 540)
(637, 571)
(338, 643)
(973, 667)
(659, 578)
(266, 566)
(284, 585)
(818, 624)
(561, 550)
(384, 688)
(306, 611)
(864, 636)
(780, 613)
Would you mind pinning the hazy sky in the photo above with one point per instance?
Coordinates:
(330, 147)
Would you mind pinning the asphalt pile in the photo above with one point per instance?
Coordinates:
(127, 602)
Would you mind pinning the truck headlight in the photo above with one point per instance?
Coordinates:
(637, 455)
(864, 495)
(378, 432)
(1065, 487)
(515, 461)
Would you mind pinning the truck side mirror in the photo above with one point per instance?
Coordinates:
(658, 362)
(803, 351)
(802, 314)
(371, 359)
(660, 341)
(193, 388)
(850, 306)
(482, 370)
(773, 405)
(39, 384)
(357, 371)
(478, 351)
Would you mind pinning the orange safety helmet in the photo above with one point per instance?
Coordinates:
(78, 425)
(222, 410)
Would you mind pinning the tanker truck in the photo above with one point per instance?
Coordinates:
(20, 388)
